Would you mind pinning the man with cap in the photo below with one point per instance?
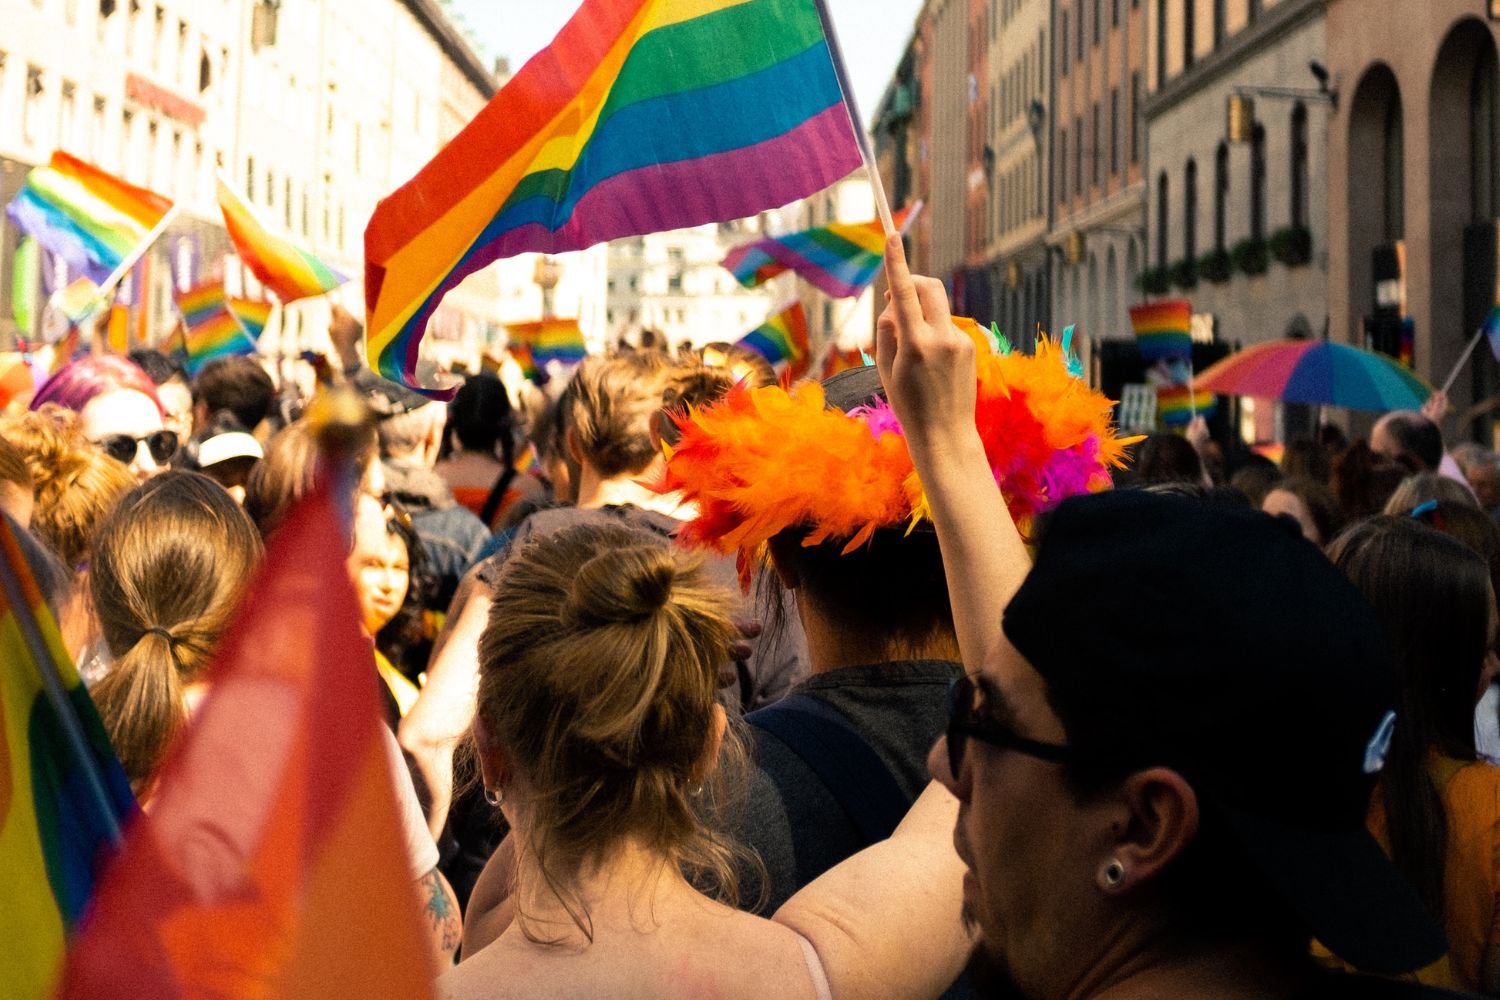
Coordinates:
(1164, 750)
(411, 427)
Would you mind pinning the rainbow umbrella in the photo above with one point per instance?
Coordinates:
(1318, 372)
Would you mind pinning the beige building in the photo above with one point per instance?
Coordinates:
(311, 111)
(1414, 166)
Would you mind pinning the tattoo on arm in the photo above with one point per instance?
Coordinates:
(440, 908)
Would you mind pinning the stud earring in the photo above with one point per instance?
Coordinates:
(1114, 874)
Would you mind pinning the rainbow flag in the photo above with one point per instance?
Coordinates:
(273, 864)
(212, 330)
(840, 259)
(89, 218)
(1175, 405)
(550, 340)
(841, 361)
(77, 300)
(782, 338)
(642, 116)
(1163, 329)
(522, 354)
(253, 316)
(284, 267)
(63, 795)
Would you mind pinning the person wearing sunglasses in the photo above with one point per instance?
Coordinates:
(1166, 743)
(118, 410)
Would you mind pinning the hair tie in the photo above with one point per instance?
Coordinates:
(158, 630)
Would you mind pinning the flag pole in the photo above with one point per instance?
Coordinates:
(1463, 359)
(139, 251)
(851, 107)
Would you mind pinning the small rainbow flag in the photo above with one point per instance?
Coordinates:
(63, 795)
(284, 267)
(522, 354)
(89, 218)
(212, 330)
(253, 316)
(641, 116)
(1163, 329)
(1175, 405)
(78, 300)
(782, 338)
(840, 259)
(550, 340)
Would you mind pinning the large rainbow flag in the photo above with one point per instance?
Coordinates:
(212, 330)
(642, 116)
(841, 259)
(1163, 329)
(63, 795)
(549, 340)
(89, 218)
(289, 270)
(782, 339)
(253, 316)
(272, 864)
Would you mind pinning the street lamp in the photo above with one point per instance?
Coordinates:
(1240, 105)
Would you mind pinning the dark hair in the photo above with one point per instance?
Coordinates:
(239, 385)
(1307, 459)
(691, 386)
(1166, 458)
(1322, 506)
(1255, 476)
(1472, 527)
(404, 639)
(1363, 480)
(1433, 595)
(1420, 440)
(160, 368)
(480, 415)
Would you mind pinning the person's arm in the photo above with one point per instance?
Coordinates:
(442, 712)
(492, 905)
(927, 367)
(440, 916)
(887, 923)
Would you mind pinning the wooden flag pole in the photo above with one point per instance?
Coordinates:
(851, 106)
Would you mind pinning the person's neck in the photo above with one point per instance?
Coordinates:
(832, 647)
(1223, 971)
(595, 491)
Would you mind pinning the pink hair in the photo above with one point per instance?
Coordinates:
(90, 376)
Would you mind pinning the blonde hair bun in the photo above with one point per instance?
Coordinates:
(621, 586)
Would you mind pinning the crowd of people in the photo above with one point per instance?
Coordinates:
(1228, 729)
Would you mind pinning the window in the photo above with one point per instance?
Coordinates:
(1162, 207)
(96, 130)
(1220, 17)
(250, 177)
(1081, 36)
(1114, 15)
(1062, 168)
(67, 119)
(1484, 164)
(127, 125)
(1114, 130)
(31, 107)
(1041, 61)
(1096, 154)
(1395, 172)
(1062, 46)
(1135, 114)
(1190, 211)
(1098, 21)
(1221, 194)
(1078, 157)
(1299, 165)
(1161, 46)
(1258, 183)
(1189, 32)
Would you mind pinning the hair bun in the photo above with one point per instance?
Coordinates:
(624, 585)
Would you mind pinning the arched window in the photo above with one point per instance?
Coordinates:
(1162, 210)
(1394, 196)
(1258, 183)
(1299, 165)
(1190, 211)
(1221, 195)
(1484, 186)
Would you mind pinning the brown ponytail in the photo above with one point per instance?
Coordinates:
(598, 674)
(170, 565)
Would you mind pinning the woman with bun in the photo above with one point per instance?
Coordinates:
(600, 736)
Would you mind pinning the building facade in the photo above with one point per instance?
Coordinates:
(1016, 157)
(1414, 183)
(311, 111)
(1097, 236)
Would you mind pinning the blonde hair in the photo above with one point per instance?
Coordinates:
(287, 471)
(598, 675)
(614, 399)
(75, 484)
(13, 467)
(171, 563)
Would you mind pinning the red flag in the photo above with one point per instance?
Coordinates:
(270, 864)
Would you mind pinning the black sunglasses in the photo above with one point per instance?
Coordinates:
(965, 720)
(122, 447)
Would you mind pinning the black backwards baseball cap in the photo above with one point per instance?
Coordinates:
(1219, 643)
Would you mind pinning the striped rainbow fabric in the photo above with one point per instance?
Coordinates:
(550, 340)
(642, 116)
(60, 810)
(1176, 405)
(77, 300)
(841, 259)
(287, 269)
(253, 316)
(782, 339)
(212, 330)
(89, 218)
(1163, 329)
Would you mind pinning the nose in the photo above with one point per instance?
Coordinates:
(937, 766)
(143, 465)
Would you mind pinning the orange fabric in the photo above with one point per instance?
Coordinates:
(1471, 881)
